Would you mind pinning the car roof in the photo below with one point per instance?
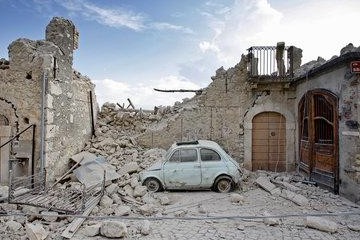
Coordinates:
(197, 143)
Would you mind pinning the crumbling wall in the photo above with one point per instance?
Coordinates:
(67, 109)
(219, 114)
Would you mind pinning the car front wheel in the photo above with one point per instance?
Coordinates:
(152, 184)
(223, 184)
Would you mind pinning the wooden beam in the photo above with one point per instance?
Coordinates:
(199, 91)
(77, 222)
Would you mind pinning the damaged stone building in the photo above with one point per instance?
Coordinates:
(41, 93)
(268, 111)
(272, 114)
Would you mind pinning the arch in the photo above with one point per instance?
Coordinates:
(318, 137)
(282, 109)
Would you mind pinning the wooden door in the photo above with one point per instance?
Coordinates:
(269, 142)
(318, 125)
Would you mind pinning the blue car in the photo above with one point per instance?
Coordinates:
(201, 164)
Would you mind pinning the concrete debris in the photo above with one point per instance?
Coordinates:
(139, 191)
(276, 191)
(147, 209)
(202, 209)
(113, 229)
(92, 230)
(122, 210)
(35, 231)
(164, 200)
(294, 197)
(92, 172)
(50, 216)
(265, 183)
(353, 227)
(106, 201)
(321, 224)
(131, 167)
(145, 228)
(236, 198)
(271, 221)
(83, 157)
(13, 225)
(31, 212)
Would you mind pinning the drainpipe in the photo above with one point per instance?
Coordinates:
(42, 127)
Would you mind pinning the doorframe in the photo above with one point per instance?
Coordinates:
(327, 93)
(282, 109)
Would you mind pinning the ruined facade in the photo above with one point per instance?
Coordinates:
(38, 86)
(256, 112)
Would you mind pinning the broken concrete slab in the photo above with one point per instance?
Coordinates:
(113, 229)
(265, 183)
(92, 172)
(35, 231)
(83, 157)
(294, 197)
(321, 224)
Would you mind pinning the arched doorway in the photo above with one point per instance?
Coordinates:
(318, 137)
(269, 142)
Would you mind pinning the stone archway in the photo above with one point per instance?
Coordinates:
(289, 128)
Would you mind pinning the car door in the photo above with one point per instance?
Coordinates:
(211, 166)
(182, 170)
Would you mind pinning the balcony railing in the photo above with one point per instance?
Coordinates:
(274, 63)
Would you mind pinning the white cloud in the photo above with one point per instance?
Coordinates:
(168, 26)
(320, 28)
(208, 46)
(117, 17)
(143, 95)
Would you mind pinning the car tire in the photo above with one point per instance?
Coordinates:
(153, 185)
(223, 184)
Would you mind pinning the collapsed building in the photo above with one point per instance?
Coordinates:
(42, 94)
(268, 112)
(273, 114)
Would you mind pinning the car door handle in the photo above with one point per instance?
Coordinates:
(196, 166)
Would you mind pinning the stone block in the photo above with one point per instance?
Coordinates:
(113, 229)
(35, 231)
(321, 224)
(265, 184)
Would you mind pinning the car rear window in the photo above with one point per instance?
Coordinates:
(209, 155)
(184, 155)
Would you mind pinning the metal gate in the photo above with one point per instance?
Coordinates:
(269, 142)
(318, 126)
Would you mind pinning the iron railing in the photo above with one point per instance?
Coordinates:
(272, 62)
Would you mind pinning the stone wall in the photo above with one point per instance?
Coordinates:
(223, 113)
(67, 110)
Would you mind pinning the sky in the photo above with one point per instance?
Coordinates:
(129, 47)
